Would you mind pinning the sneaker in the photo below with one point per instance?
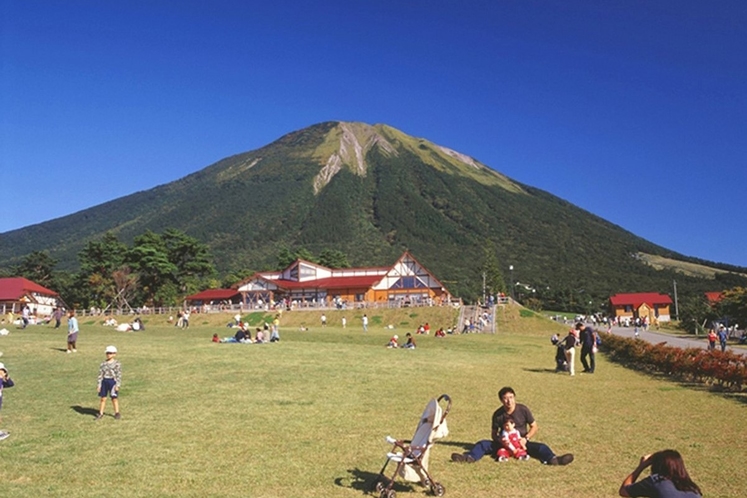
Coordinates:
(524, 458)
(99, 416)
(462, 458)
(75, 350)
(117, 416)
(68, 351)
(502, 459)
(562, 459)
(4, 435)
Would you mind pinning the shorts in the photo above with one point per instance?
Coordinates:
(71, 338)
(107, 389)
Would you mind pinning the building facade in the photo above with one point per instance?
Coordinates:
(649, 305)
(406, 282)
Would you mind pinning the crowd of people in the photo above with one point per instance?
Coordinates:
(269, 332)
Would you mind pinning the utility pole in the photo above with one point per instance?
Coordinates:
(511, 272)
(676, 307)
(484, 302)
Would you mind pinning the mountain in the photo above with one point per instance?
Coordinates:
(371, 192)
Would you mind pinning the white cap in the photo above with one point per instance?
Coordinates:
(111, 349)
(2, 367)
(396, 337)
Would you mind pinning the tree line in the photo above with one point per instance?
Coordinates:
(156, 270)
(161, 269)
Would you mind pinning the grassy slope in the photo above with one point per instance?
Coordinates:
(307, 416)
(684, 267)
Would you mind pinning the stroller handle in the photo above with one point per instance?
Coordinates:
(447, 398)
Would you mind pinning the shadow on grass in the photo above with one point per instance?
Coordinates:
(59, 349)
(458, 444)
(84, 410)
(364, 481)
(543, 370)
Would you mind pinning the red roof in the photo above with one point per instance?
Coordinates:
(13, 289)
(214, 295)
(637, 299)
(365, 281)
(713, 297)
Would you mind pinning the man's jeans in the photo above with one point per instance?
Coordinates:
(539, 451)
(588, 351)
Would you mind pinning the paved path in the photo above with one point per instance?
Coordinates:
(672, 340)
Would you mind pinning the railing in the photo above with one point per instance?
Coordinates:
(248, 308)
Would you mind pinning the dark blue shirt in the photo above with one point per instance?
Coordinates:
(656, 486)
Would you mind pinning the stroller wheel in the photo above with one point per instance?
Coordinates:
(388, 494)
(438, 489)
(379, 485)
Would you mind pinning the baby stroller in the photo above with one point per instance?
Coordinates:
(412, 459)
(560, 362)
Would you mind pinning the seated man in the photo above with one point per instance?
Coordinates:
(525, 424)
(240, 335)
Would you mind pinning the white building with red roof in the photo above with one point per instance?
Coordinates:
(17, 292)
(641, 305)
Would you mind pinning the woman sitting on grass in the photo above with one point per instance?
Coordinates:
(668, 479)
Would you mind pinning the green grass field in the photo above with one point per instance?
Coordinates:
(308, 416)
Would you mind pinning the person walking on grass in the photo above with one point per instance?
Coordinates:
(109, 382)
(365, 323)
(525, 424)
(5, 381)
(588, 343)
(72, 332)
(569, 349)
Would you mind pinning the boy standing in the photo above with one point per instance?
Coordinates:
(72, 332)
(110, 379)
(5, 381)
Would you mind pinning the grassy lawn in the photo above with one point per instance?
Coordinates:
(307, 417)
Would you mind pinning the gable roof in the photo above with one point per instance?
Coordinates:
(291, 278)
(14, 288)
(637, 299)
(330, 282)
(214, 295)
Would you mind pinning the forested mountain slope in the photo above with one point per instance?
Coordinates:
(371, 192)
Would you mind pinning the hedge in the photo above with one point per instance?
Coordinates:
(725, 369)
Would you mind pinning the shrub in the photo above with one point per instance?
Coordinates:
(726, 369)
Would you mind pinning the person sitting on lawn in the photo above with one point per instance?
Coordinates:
(259, 337)
(240, 335)
(410, 344)
(525, 424)
(393, 342)
(668, 479)
(511, 441)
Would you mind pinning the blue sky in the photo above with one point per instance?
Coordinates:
(635, 111)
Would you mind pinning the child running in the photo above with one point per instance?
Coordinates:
(5, 381)
(110, 379)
